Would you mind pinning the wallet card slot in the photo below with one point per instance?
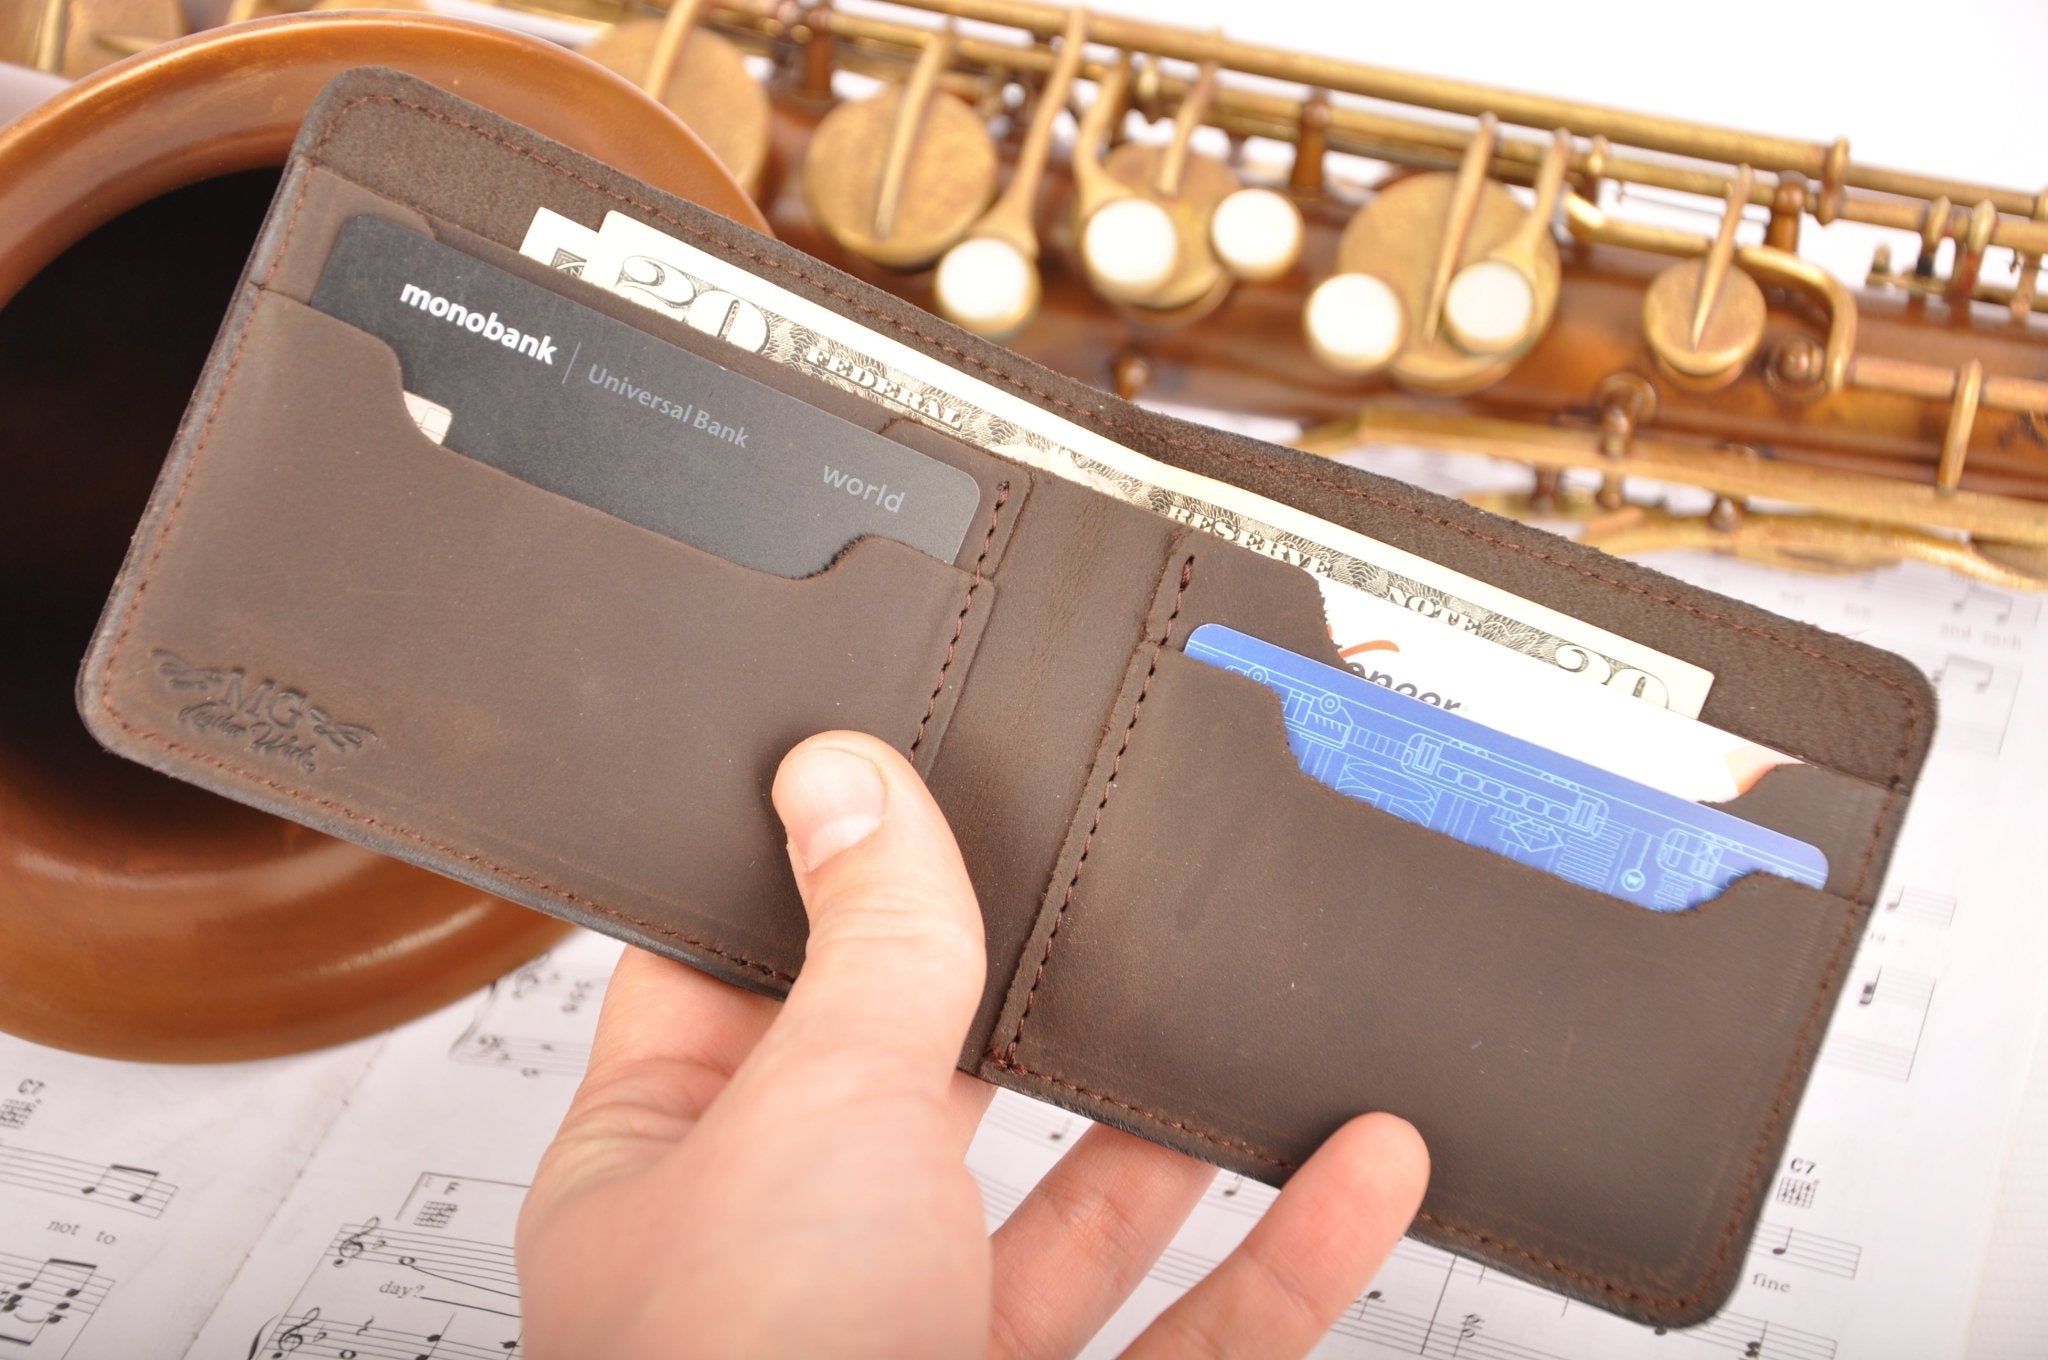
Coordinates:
(1056, 663)
(1847, 819)
(322, 202)
(496, 667)
(1245, 958)
(1788, 686)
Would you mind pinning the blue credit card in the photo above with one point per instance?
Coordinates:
(1504, 794)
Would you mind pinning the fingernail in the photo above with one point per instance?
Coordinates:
(831, 799)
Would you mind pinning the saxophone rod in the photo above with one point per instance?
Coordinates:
(1726, 472)
(1383, 136)
(1674, 136)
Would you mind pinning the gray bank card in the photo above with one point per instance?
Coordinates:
(563, 396)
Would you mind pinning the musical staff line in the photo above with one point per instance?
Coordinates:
(529, 1057)
(130, 1189)
(310, 1336)
(537, 1022)
(1924, 905)
(1749, 1338)
(1034, 1123)
(484, 1266)
(38, 1295)
(1798, 1247)
(1880, 1032)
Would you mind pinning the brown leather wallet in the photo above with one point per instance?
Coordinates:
(1187, 936)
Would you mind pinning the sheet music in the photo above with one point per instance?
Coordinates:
(373, 1189)
(361, 1201)
(130, 1192)
(397, 1239)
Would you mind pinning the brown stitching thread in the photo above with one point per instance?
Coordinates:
(995, 515)
(142, 582)
(1233, 1144)
(1098, 418)
(406, 833)
(1778, 1111)
(1009, 1053)
(1745, 1193)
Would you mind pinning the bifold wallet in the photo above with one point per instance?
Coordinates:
(329, 615)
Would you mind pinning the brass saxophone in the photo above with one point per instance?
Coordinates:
(1484, 290)
(1377, 258)
(1392, 279)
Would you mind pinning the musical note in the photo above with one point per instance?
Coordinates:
(538, 1022)
(1967, 667)
(1922, 904)
(1997, 605)
(130, 1182)
(466, 1264)
(1796, 1246)
(127, 1188)
(43, 1294)
(312, 1336)
(1881, 1034)
(1733, 1334)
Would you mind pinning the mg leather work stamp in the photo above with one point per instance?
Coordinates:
(267, 717)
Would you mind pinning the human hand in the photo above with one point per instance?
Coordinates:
(736, 1177)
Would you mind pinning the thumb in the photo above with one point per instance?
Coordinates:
(893, 969)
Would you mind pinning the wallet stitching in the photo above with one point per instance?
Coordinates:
(1096, 417)
(1008, 1057)
(995, 517)
(1779, 1108)
(142, 582)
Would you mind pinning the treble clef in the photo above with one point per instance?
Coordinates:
(294, 1336)
(357, 1242)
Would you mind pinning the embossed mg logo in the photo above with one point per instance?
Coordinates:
(267, 717)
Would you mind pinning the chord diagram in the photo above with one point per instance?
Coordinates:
(1796, 1246)
(486, 1207)
(1879, 1031)
(130, 1189)
(15, 1112)
(1797, 1191)
(404, 1288)
(46, 1300)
